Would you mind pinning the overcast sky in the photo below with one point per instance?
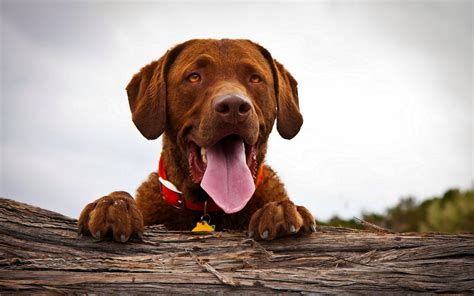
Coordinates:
(385, 90)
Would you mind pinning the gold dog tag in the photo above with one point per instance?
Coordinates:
(203, 226)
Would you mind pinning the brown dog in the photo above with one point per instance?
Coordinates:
(215, 103)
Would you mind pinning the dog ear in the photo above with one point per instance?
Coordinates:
(147, 95)
(289, 118)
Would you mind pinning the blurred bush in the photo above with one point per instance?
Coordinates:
(452, 213)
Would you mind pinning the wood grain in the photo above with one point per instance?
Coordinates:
(40, 252)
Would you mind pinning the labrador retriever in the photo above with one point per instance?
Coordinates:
(214, 102)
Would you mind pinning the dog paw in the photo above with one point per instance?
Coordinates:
(115, 215)
(276, 219)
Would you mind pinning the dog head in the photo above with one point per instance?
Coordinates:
(216, 101)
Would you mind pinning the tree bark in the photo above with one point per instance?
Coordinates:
(40, 252)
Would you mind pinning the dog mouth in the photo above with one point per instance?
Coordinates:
(225, 170)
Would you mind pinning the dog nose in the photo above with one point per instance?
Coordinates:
(232, 108)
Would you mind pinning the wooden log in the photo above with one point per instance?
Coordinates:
(40, 252)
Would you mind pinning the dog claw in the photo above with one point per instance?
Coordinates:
(265, 234)
(250, 234)
(292, 228)
(97, 235)
(123, 238)
(313, 228)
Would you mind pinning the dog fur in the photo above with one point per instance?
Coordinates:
(164, 104)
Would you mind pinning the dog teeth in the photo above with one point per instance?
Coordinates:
(203, 154)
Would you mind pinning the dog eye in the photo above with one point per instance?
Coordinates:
(255, 78)
(194, 78)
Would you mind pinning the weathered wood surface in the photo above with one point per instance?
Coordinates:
(39, 252)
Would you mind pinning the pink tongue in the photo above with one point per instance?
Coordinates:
(227, 178)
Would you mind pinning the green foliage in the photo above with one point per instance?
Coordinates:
(452, 213)
(339, 222)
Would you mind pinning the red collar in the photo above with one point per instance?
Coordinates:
(175, 198)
